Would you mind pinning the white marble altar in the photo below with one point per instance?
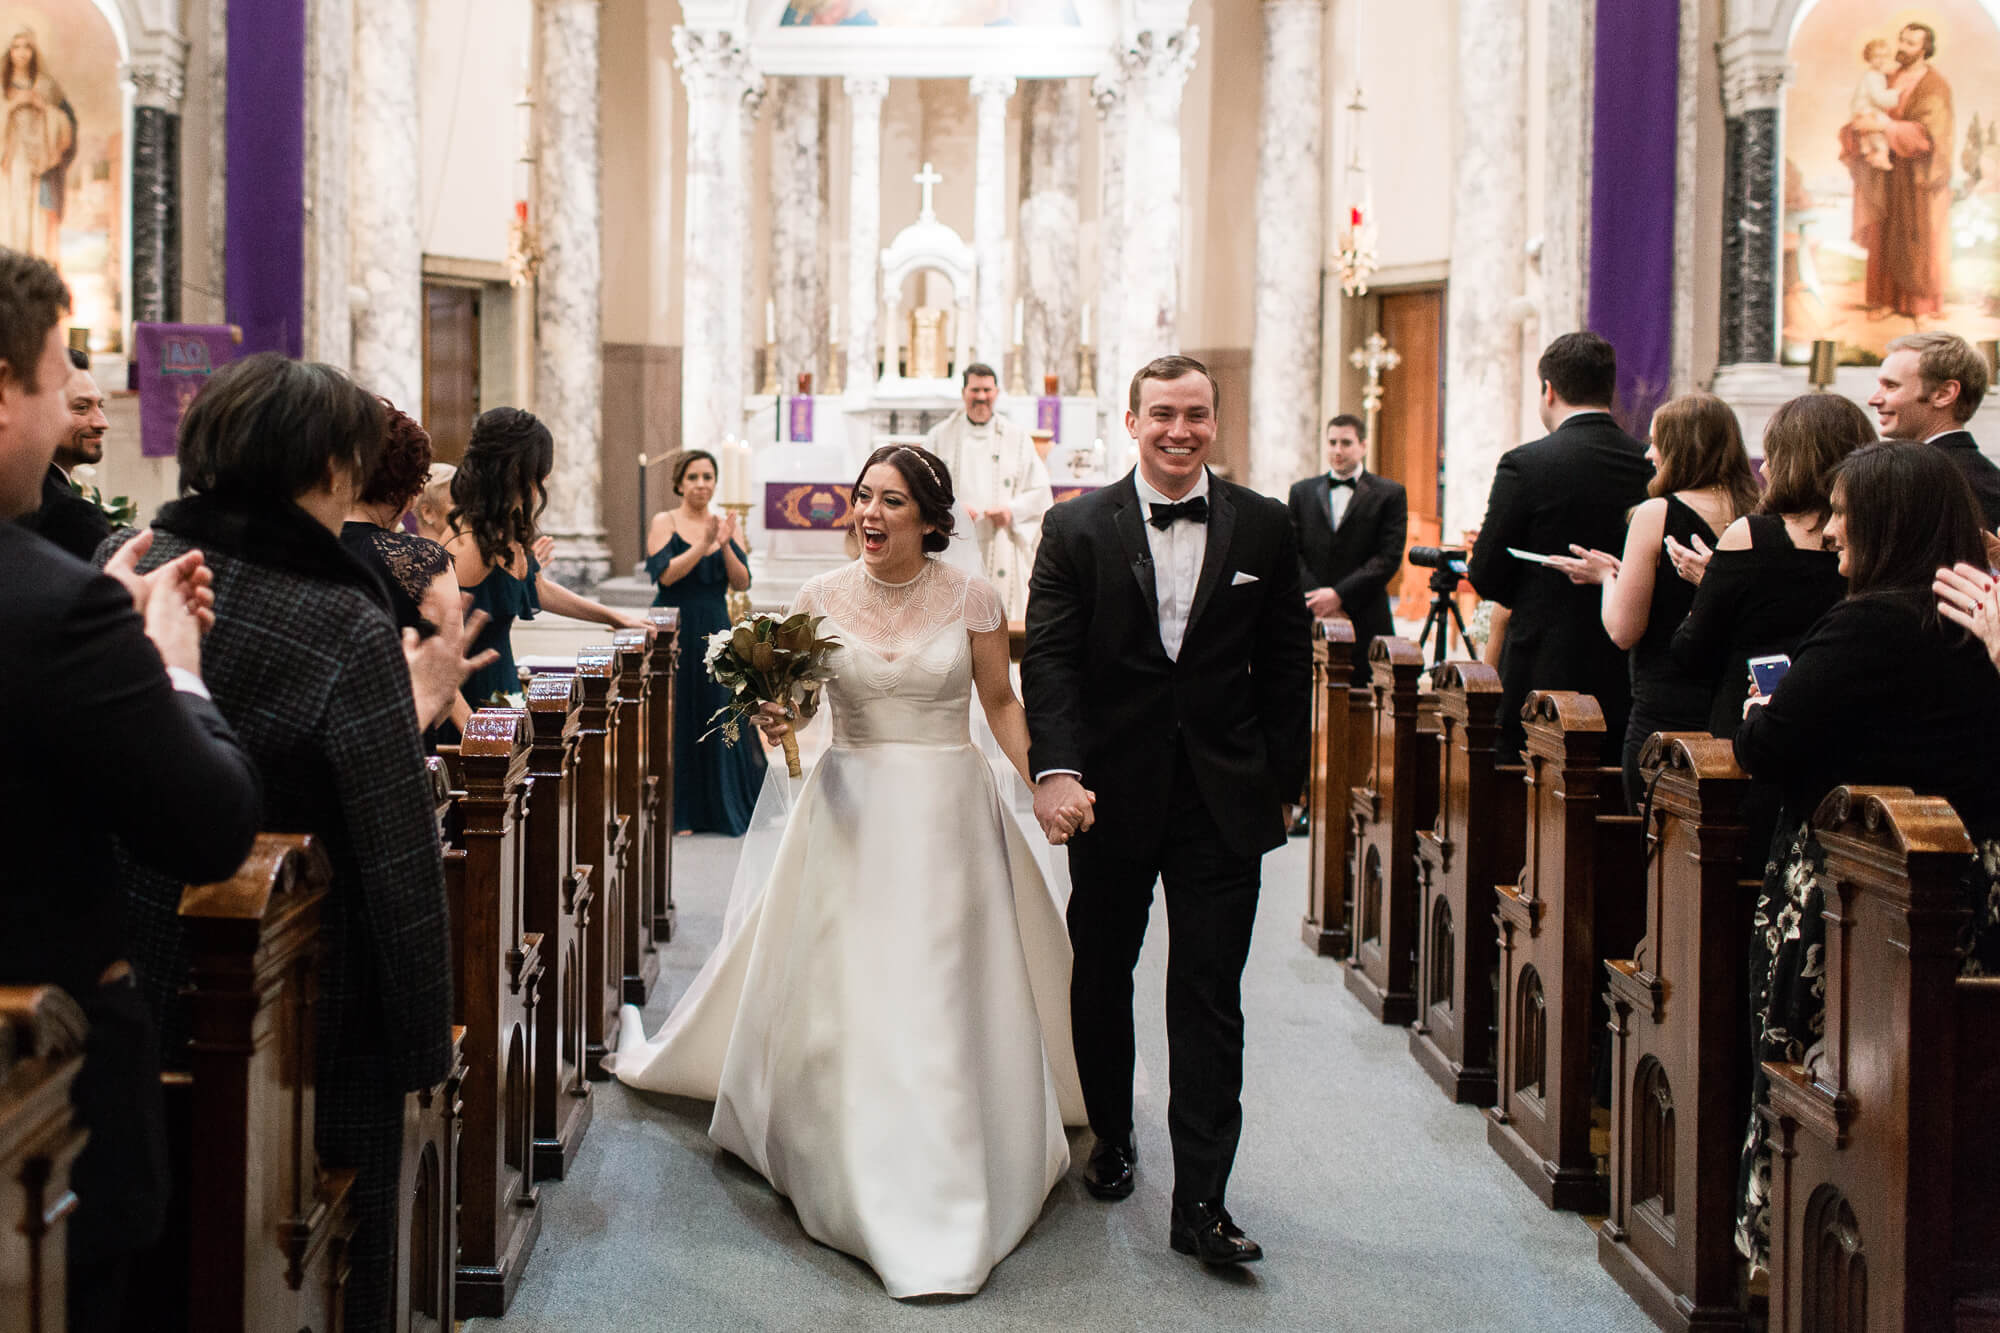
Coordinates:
(384, 241)
(1050, 148)
(989, 219)
(1285, 352)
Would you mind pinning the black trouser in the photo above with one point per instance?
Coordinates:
(120, 1177)
(1211, 907)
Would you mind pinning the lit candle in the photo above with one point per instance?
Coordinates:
(1086, 324)
(770, 320)
(1020, 309)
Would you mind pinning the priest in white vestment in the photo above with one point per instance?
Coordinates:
(1000, 480)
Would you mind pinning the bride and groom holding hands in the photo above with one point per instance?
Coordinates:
(898, 1023)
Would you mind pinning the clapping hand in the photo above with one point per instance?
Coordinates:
(1965, 596)
(438, 664)
(711, 535)
(176, 601)
(1690, 564)
(1063, 807)
(1586, 566)
(544, 548)
(725, 532)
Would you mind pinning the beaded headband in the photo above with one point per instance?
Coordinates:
(916, 454)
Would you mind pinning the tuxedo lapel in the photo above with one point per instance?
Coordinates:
(1138, 551)
(1221, 523)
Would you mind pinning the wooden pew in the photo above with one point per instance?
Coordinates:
(1579, 902)
(427, 1208)
(601, 837)
(559, 902)
(1475, 844)
(269, 1227)
(41, 1049)
(498, 970)
(638, 806)
(1679, 1013)
(1342, 739)
(1885, 1166)
(660, 750)
(1395, 796)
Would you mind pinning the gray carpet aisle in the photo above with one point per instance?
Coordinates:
(1378, 1204)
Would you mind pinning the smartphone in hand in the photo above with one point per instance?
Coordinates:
(1768, 671)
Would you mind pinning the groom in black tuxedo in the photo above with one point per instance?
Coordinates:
(1167, 671)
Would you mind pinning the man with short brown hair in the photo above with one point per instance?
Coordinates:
(66, 517)
(1928, 387)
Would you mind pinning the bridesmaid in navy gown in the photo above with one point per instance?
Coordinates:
(693, 556)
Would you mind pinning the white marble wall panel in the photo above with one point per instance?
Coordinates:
(1565, 255)
(798, 206)
(864, 229)
(1108, 96)
(329, 56)
(1284, 354)
(386, 247)
(1156, 66)
(992, 321)
(1485, 299)
(716, 72)
(569, 211)
(1051, 148)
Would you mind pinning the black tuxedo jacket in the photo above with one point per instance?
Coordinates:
(1575, 485)
(1105, 700)
(1960, 447)
(1358, 558)
(99, 744)
(66, 518)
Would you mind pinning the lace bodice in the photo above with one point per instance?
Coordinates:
(903, 672)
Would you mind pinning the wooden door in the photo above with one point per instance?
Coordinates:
(1408, 428)
(451, 367)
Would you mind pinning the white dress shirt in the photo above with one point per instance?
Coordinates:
(1339, 497)
(1177, 556)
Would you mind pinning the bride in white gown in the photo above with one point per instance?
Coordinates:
(884, 1027)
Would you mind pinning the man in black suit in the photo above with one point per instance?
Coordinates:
(1572, 488)
(1350, 526)
(66, 518)
(1167, 669)
(1928, 387)
(134, 751)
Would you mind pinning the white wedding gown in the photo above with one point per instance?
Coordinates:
(884, 1027)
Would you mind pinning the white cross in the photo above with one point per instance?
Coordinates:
(927, 178)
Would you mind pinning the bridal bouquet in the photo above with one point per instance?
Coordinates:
(768, 659)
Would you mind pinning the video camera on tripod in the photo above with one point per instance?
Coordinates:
(1447, 567)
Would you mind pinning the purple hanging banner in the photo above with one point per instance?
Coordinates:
(172, 362)
(802, 418)
(806, 506)
(1048, 417)
(1071, 490)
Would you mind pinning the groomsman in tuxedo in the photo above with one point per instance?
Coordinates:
(1573, 487)
(1167, 671)
(1928, 387)
(1351, 526)
(64, 517)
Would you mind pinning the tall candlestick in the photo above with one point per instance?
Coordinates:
(1085, 340)
(833, 325)
(1020, 310)
(770, 320)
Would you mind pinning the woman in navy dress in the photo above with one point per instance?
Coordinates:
(692, 554)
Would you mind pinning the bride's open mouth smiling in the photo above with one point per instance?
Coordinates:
(873, 538)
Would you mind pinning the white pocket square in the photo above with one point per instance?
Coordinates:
(1241, 579)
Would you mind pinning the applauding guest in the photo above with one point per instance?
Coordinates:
(1350, 526)
(1928, 387)
(1884, 692)
(1703, 484)
(692, 554)
(70, 520)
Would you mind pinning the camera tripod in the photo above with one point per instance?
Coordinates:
(1444, 583)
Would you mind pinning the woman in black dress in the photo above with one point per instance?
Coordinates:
(1883, 691)
(1703, 483)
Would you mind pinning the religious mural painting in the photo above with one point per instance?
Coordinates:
(1892, 175)
(62, 152)
(930, 13)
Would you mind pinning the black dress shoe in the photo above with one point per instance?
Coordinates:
(1108, 1174)
(1207, 1232)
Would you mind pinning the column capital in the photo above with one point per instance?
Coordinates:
(1754, 81)
(157, 78)
(865, 87)
(715, 57)
(1107, 90)
(1161, 54)
(992, 85)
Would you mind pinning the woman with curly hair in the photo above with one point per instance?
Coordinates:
(498, 493)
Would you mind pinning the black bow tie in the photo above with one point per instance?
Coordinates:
(1348, 482)
(1195, 510)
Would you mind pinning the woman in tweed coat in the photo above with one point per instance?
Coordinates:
(308, 668)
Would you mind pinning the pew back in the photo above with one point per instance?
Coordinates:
(1342, 738)
(1397, 795)
(42, 1033)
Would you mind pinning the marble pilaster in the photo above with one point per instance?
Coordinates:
(1565, 250)
(745, 329)
(569, 212)
(864, 228)
(1156, 64)
(716, 72)
(992, 326)
(1687, 164)
(218, 144)
(1284, 353)
(158, 84)
(384, 185)
(798, 206)
(1107, 94)
(1484, 299)
(1050, 151)
(329, 56)
(1752, 92)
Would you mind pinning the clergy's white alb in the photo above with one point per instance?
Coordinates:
(994, 466)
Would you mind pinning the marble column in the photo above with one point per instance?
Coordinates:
(864, 229)
(1752, 91)
(1485, 296)
(798, 206)
(1284, 352)
(329, 327)
(1050, 149)
(1687, 165)
(1156, 65)
(716, 70)
(1565, 249)
(746, 328)
(384, 186)
(158, 83)
(1107, 94)
(569, 212)
(992, 324)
